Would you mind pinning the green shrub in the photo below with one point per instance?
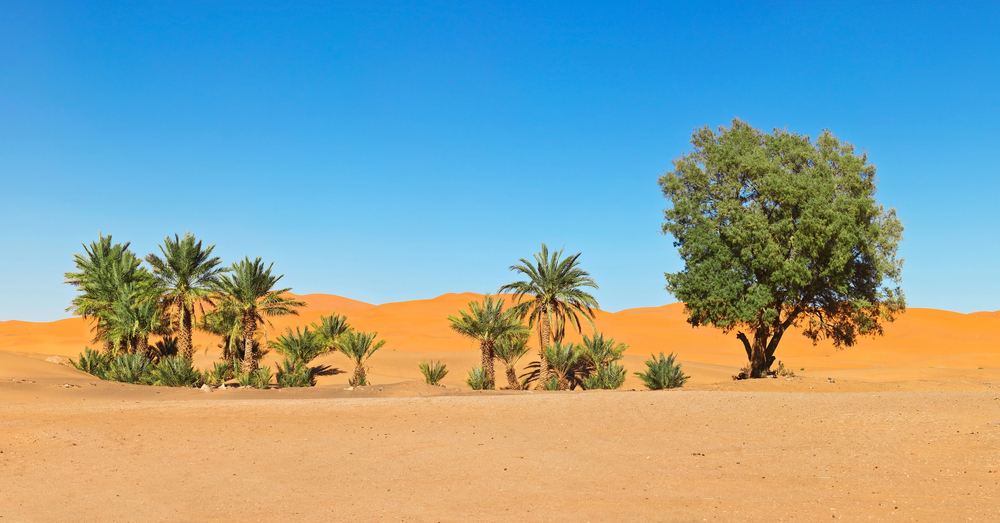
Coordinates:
(663, 373)
(784, 372)
(609, 376)
(551, 384)
(261, 378)
(133, 368)
(222, 372)
(175, 371)
(478, 379)
(294, 374)
(433, 372)
(92, 362)
(301, 347)
(567, 363)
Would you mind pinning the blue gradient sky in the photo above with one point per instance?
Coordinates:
(410, 150)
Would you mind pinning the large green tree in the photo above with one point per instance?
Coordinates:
(777, 231)
(186, 272)
(554, 283)
(247, 292)
(489, 324)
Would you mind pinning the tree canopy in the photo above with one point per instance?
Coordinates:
(777, 231)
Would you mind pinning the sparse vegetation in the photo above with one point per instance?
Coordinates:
(489, 324)
(359, 346)
(602, 355)
(478, 380)
(92, 362)
(222, 372)
(133, 368)
(176, 371)
(663, 373)
(433, 372)
(292, 373)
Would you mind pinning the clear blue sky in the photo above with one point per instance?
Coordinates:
(409, 150)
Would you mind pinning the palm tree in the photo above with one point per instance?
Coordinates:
(134, 317)
(247, 291)
(359, 346)
(330, 328)
(564, 358)
(488, 323)
(555, 286)
(103, 271)
(509, 351)
(186, 273)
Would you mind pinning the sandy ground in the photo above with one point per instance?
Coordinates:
(904, 428)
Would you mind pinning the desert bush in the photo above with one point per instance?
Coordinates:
(433, 372)
(601, 355)
(222, 372)
(478, 380)
(175, 371)
(300, 346)
(564, 359)
(92, 362)
(663, 373)
(359, 346)
(610, 376)
(258, 379)
(133, 368)
(551, 384)
(294, 374)
(783, 371)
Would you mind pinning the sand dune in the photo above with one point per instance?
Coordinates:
(920, 338)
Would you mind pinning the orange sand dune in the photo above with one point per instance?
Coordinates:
(920, 338)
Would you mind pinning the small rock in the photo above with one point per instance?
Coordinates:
(206, 388)
(349, 388)
(223, 386)
(830, 380)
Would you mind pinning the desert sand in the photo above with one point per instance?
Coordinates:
(901, 428)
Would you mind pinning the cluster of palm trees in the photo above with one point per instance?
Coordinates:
(184, 289)
(554, 288)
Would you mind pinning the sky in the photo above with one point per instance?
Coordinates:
(406, 150)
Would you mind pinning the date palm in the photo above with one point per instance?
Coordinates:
(510, 351)
(554, 284)
(330, 328)
(102, 272)
(186, 272)
(247, 292)
(359, 346)
(134, 317)
(487, 323)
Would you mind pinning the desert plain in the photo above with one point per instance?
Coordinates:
(904, 427)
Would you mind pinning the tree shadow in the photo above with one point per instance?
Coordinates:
(326, 370)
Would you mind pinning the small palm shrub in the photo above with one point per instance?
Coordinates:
(359, 346)
(610, 376)
(563, 360)
(130, 368)
(301, 347)
(602, 355)
(222, 372)
(551, 384)
(663, 373)
(478, 379)
(294, 374)
(510, 350)
(258, 379)
(433, 372)
(176, 371)
(92, 362)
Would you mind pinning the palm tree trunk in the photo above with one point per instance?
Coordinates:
(249, 330)
(512, 378)
(486, 350)
(142, 345)
(544, 370)
(359, 376)
(185, 344)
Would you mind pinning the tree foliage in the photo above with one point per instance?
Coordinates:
(777, 231)
(489, 324)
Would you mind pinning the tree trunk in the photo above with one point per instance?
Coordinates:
(249, 330)
(544, 370)
(486, 348)
(184, 340)
(359, 376)
(760, 352)
(142, 345)
(512, 378)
